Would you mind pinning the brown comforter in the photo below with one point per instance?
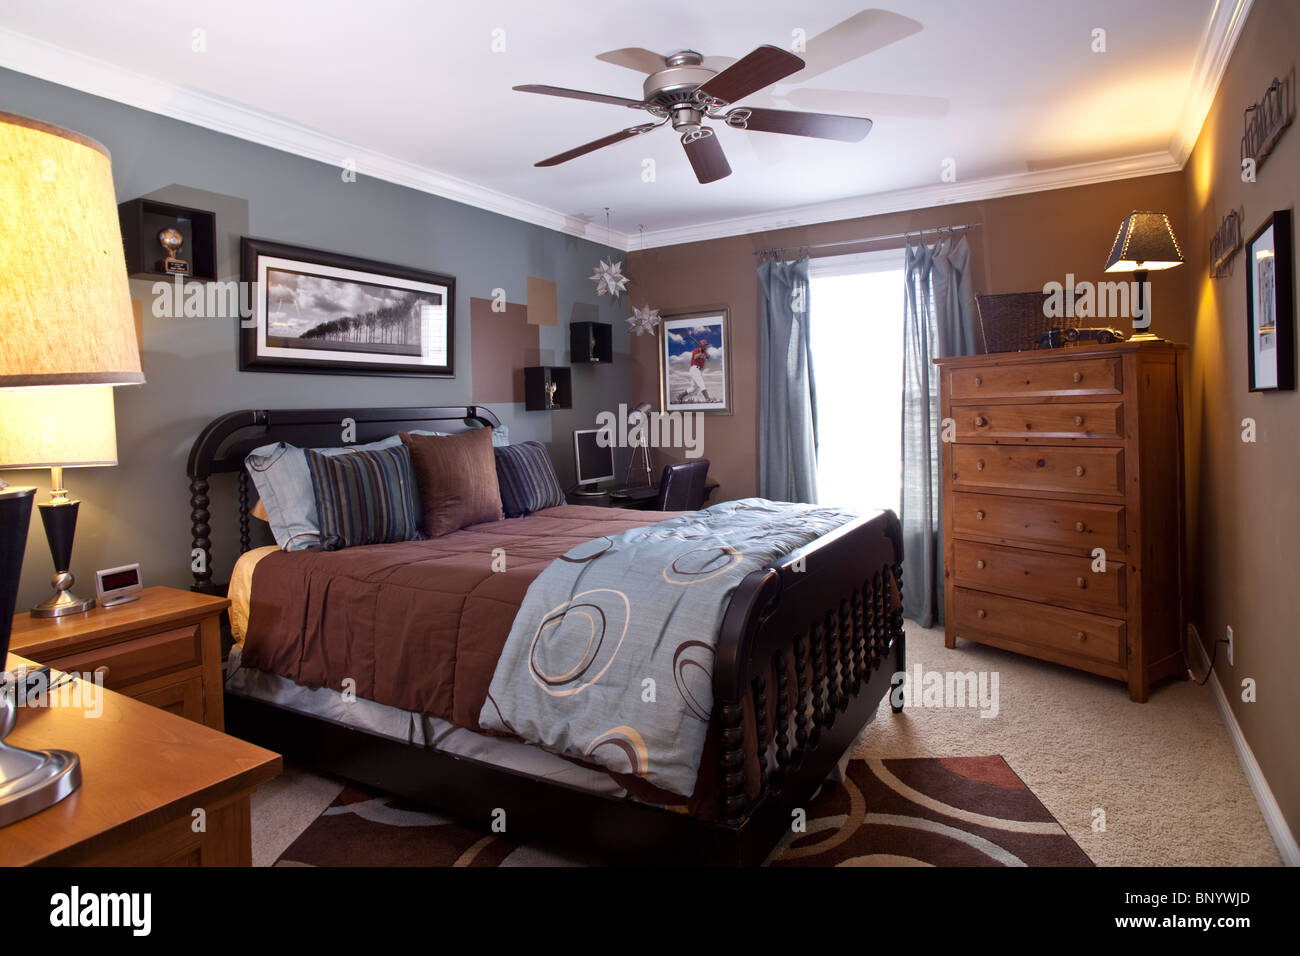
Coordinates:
(417, 625)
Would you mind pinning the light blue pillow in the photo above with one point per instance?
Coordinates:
(280, 474)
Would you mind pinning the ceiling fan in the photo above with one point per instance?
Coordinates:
(685, 92)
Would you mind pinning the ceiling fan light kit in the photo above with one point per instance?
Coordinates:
(686, 93)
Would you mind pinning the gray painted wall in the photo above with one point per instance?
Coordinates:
(139, 511)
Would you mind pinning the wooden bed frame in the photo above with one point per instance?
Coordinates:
(832, 609)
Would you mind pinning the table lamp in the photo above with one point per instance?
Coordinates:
(58, 427)
(1145, 241)
(67, 334)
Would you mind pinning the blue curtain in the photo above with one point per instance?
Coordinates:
(787, 414)
(939, 320)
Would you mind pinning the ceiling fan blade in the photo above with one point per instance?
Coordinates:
(707, 159)
(846, 129)
(864, 32)
(580, 95)
(634, 58)
(751, 73)
(876, 104)
(596, 144)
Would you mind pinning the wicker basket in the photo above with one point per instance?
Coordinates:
(1012, 322)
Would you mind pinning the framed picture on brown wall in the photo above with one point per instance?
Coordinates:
(695, 362)
(324, 312)
(1270, 305)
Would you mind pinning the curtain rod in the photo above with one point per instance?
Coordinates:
(867, 239)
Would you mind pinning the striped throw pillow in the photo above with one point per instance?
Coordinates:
(527, 479)
(364, 497)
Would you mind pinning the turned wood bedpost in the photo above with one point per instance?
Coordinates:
(199, 532)
(896, 629)
(244, 538)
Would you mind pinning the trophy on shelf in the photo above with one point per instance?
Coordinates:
(551, 388)
(171, 239)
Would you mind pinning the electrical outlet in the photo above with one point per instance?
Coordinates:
(1230, 645)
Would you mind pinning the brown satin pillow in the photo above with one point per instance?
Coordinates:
(457, 478)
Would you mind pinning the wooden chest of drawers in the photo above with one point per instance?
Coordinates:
(1056, 465)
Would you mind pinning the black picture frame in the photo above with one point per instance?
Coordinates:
(262, 351)
(1270, 336)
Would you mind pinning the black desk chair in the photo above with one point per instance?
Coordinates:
(682, 486)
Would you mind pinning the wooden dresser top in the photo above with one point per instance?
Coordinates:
(1060, 355)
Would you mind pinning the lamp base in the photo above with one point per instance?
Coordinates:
(62, 602)
(32, 780)
(59, 516)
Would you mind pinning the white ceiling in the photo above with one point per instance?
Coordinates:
(414, 93)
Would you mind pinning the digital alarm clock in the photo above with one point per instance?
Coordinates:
(116, 586)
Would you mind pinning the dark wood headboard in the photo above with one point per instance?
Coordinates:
(224, 443)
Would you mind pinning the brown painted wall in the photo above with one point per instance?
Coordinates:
(1243, 516)
(1025, 241)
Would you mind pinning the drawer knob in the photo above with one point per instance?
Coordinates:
(1078, 470)
(980, 421)
(102, 672)
(979, 516)
(978, 381)
(1078, 376)
(980, 564)
(1078, 421)
(1078, 526)
(1081, 582)
(1080, 635)
(981, 613)
(979, 465)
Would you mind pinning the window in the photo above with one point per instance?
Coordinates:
(856, 317)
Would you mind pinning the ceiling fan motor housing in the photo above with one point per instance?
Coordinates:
(673, 88)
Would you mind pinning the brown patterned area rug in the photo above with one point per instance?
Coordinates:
(921, 811)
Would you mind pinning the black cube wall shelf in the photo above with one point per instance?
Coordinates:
(539, 397)
(591, 343)
(143, 219)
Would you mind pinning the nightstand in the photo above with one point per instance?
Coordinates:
(163, 650)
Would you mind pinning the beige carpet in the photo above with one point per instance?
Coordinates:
(1164, 773)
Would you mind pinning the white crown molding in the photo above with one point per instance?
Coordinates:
(1220, 39)
(921, 197)
(46, 61)
(1269, 808)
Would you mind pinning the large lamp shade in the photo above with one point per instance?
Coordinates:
(57, 427)
(65, 305)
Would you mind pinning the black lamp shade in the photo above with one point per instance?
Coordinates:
(1145, 241)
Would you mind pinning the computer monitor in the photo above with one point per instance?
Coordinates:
(592, 463)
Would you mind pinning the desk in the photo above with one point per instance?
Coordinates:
(144, 773)
(645, 497)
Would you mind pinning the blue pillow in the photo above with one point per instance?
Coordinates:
(366, 497)
(280, 474)
(527, 479)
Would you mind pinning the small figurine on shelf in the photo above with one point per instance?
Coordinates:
(550, 394)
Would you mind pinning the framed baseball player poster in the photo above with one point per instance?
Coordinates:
(695, 362)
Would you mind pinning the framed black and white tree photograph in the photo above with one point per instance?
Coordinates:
(316, 311)
(1270, 305)
(695, 362)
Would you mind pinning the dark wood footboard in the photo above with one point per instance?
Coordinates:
(808, 649)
